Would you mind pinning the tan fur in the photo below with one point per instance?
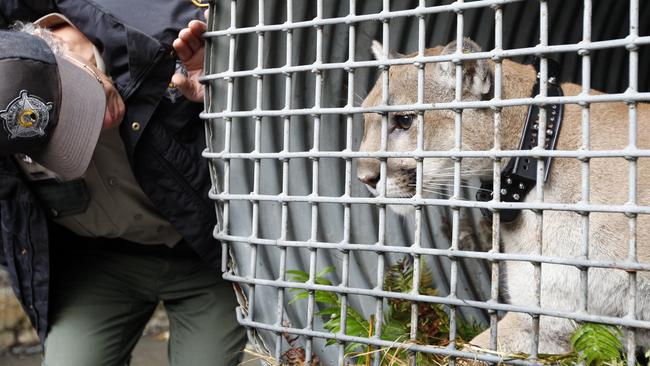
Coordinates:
(608, 233)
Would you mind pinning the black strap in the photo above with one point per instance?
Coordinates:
(520, 174)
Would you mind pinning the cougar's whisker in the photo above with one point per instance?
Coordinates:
(437, 192)
(464, 175)
(464, 171)
(461, 186)
(443, 193)
(358, 99)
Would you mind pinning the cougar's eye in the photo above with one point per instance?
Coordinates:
(403, 121)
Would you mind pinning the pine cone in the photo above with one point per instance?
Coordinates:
(295, 356)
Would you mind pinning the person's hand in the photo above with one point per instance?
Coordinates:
(114, 104)
(190, 48)
(78, 47)
(115, 108)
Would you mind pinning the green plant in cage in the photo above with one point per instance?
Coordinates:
(591, 344)
(433, 321)
(597, 344)
(356, 324)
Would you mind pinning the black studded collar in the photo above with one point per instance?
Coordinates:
(520, 174)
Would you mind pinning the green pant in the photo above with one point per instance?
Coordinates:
(102, 298)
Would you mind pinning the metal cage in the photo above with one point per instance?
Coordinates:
(285, 81)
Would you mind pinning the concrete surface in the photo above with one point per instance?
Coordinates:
(150, 351)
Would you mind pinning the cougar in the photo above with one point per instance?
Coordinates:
(608, 233)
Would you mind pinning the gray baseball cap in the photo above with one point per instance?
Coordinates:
(51, 107)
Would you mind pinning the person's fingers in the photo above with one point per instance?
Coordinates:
(108, 122)
(109, 117)
(121, 109)
(206, 14)
(182, 49)
(115, 110)
(190, 90)
(184, 85)
(197, 28)
(180, 81)
(194, 42)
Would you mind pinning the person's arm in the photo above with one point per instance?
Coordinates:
(26, 10)
(190, 49)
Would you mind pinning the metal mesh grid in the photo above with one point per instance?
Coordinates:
(269, 236)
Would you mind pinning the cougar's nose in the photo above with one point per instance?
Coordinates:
(370, 180)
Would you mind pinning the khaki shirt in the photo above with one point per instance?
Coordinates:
(118, 207)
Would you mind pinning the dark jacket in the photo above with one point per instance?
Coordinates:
(135, 40)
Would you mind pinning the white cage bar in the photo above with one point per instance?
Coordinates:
(258, 255)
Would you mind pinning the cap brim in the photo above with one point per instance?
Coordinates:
(83, 104)
(52, 20)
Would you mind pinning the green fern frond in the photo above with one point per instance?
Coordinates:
(324, 297)
(597, 344)
(297, 275)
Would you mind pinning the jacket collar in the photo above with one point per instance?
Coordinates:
(127, 52)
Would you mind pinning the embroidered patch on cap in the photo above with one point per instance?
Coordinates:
(26, 116)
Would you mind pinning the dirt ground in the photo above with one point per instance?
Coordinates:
(150, 351)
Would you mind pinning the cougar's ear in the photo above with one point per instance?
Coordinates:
(477, 76)
(378, 51)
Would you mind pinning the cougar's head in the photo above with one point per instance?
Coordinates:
(438, 127)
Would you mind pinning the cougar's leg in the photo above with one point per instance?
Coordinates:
(514, 335)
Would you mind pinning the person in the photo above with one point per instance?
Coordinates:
(104, 210)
